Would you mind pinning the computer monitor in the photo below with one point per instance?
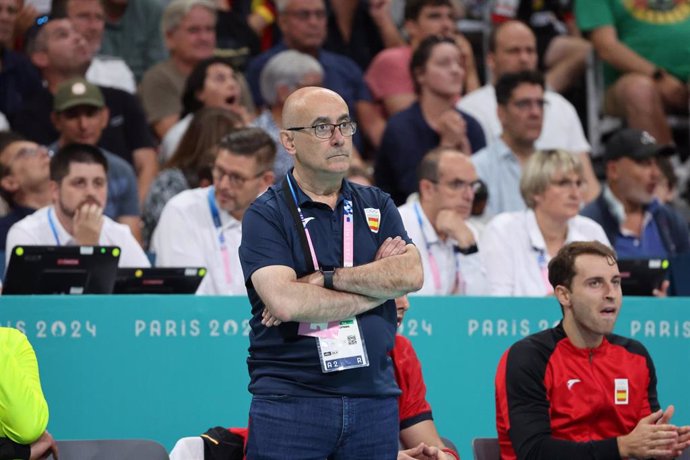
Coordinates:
(61, 270)
(160, 280)
(641, 276)
(680, 275)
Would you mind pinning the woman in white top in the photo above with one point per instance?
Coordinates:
(517, 246)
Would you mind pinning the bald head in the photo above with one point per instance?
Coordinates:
(322, 157)
(512, 48)
(302, 106)
(432, 163)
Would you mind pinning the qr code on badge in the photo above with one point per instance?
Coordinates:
(351, 340)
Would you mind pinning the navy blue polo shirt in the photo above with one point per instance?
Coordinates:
(281, 361)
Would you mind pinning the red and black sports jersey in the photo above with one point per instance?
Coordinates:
(554, 400)
(412, 404)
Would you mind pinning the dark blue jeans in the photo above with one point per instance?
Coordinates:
(337, 428)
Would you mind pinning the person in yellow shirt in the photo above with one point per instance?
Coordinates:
(23, 408)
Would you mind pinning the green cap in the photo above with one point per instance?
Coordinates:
(77, 91)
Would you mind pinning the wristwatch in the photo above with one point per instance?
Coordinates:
(328, 278)
(468, 250)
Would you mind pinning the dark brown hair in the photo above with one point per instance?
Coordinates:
(422, 55)
(562, 267)
(253, 143)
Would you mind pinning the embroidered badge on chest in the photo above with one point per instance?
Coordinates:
(373, 218)
(621, 391)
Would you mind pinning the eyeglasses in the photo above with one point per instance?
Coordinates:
(458, 185)
(27, 152)
(326, 130)
(304, 15)
(32, 151)
(236, 180)
(525, 104)
(568, 183)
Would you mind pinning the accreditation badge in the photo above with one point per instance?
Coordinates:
(343, 349)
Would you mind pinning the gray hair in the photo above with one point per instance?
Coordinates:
(540, 169)
(288, 68)
(178, 9)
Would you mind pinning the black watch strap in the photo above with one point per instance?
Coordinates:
(328, 279)
(468, 250)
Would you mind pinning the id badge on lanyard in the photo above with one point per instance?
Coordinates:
(340, 344)
(224, 252)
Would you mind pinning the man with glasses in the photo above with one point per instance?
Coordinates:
(24, 179)
(203, 226)
(323, 260)
(438, 224)
(521, 102)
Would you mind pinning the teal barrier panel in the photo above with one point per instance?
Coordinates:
(164, 367)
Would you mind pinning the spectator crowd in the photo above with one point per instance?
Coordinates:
(153, 125)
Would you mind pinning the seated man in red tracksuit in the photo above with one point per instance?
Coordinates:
(577, 391)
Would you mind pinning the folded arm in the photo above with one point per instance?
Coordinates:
(396, 268)
(384, 278)
(287, 298)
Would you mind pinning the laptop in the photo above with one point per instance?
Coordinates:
(61, 270)
(160, 280)
(641, 276)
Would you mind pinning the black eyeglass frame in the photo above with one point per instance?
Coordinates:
(331, 131)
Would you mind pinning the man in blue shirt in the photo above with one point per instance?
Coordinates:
(321, 292)
(636, 223)
(520, 98)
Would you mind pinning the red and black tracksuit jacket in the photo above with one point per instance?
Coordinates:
(554, 400)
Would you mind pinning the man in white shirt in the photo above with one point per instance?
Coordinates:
(79, 186)
(513, 48)
(203, 226)
(437, 224)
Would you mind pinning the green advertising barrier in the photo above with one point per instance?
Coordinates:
(164, 367)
